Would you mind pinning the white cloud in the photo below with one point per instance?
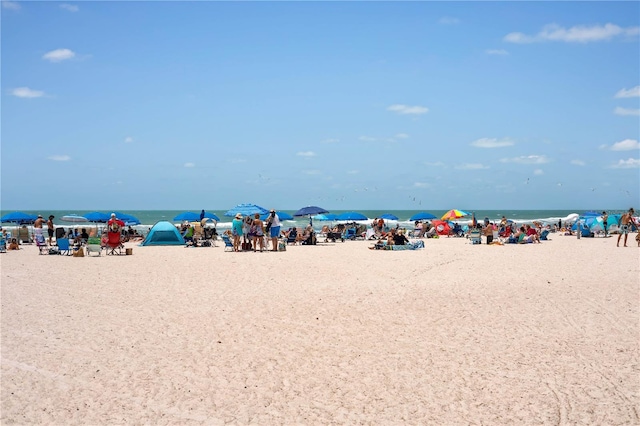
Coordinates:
(11, 5)
(634, 92)
(69, 7)
(578, 163)
(471, 166)
(631, 163)
(496, 52)
(58, 55)
(401, 136)
(367, 139)
(492, 143)
(406, 109)
(625, 145)
(331, 140)
(526, 159)
(58, 157)
(25, 92)
(128, 139)
(447, 20)
(307, 154)
(575, 34)
(189, 165)
(538, 172)
(626, 111)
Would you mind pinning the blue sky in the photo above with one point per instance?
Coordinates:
(346, 105)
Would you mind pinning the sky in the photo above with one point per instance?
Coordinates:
(345, 105)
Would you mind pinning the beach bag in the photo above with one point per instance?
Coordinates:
(246, 246)
(282, 245)
(79, 252)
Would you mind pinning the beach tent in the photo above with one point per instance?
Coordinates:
(163, 233)
(442, 227)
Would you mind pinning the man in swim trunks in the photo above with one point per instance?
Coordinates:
(50, 229)
(625, 226)
(37, 225)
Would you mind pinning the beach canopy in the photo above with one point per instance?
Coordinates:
(163, 233)
(281, 216)
(246, 210)
(352, 216)
(19, 218)
(422, 216)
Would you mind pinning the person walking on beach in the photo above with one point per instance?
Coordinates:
(50, 229)
(625, 226)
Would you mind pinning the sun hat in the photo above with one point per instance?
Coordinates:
(39, 215)
(238, 215)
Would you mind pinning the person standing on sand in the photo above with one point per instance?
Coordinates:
(236, 231)
(605, 217)
(625, 226)
(50, 229)
(273, 223)
(37, 225)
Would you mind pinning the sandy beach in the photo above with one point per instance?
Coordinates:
(330, 334)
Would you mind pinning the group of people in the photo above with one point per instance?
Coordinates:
(252, 230)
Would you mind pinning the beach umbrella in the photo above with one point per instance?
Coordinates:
(19, 218)
(97, 217)
(127, 218)
(188, 216)
(352, 216)
(326, 217)
(454, 214)
(422, 216)
(310, 211)
(389, 216)
(74, 218)
(281, 216)
(246, 210)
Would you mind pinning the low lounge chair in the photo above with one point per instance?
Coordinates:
(23, 236)
(43, 248)
(227, 243)
(64, 247)
(94, 246)
(475, 236)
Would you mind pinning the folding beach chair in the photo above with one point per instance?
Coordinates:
(114, 243)
(475, 236)
(64, 247)
(41, 243)
(94, 246)
(227, 243)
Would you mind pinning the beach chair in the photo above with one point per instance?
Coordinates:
(114, 243)
(64, 247)
(41, 243)
(293, 235)
(349, 234)
(23, 236)
(210, 235)
(3, 245)
(475, 236)
(228, 244)
(544, 235)
(94, 246)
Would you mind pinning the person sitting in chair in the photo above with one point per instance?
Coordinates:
(309, 236)
(188, 233)
(13, 245)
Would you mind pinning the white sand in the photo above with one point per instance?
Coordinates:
(331, 334)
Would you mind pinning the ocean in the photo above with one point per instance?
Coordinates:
(149, 217)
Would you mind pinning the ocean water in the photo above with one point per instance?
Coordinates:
(149, 217)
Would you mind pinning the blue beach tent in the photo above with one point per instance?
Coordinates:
(163, 233)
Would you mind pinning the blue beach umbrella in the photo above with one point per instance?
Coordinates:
(97, 217)
(326, 217)
(310, 211)
(422, 216)
(352, 216)
(389, 216)
(189, 216)
(246, 210)
(19, 218)
(127, 218)
(281, 216)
